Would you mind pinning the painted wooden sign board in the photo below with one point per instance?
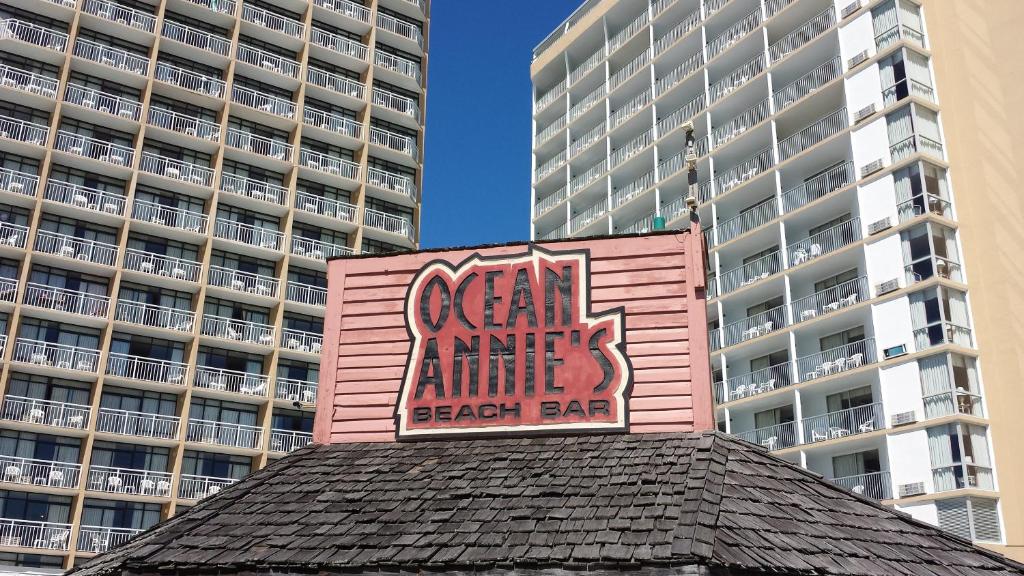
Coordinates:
(545, 338)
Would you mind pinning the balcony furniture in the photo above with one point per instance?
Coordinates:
(36, 415)
(177, 378)
(178, 272)
(808, 314)
(849, 300)
(818, 436)
(38, 358)
(837, 432)
(771, 442)
(10, 541)
(212, 490)
(163, 488)
(751, 333)
(766, 386)
(315, 348)
(64, 364)
(276, 444)
(55, 542)
(739, 392)
(12, 473)
(253, 389)
(216, 384)
(146, 486)
(308, 396)
(84, 365)
(868, 426)
(858, 489)
(266, 340)
(854, 361)
(114, 483)
(67, 251)
(830, 307)
(111, 208)
(146, 267)
(76, 421)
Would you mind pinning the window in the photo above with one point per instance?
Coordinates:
(322, 190)
(316, 233)
(146, 347)
(297, 370)
(40, 446)
(13, 215)
(759, 255)
(106, 86)
(198, 24)
(229, 360)
(849, 399)
(833, 281)
(97, 131)
(263, 87)
(242, 263)
(251, 172)
(45, 388)
(147, 402)
(222, 411)
(764, 306)
(215, 465)
(371, 246)
(78, 229)
(25, 113)
(131, 456)
(333, 68)
(33, 560)
(88, 180)
(19, 163)
(68, 280)
(307, 277)
(330, 150)
(236, 310)
(970, 518)
(959, 457)
(843, 338)
(162, 246)
(34, 507)
(29, 64)
(60, 333)
(293, 420)
(189, 65)
(773, 417)
(388, 207)
(304, 323)
(266, 46)
(183, 108)
(330, 108)
(176, 152)
(120, 514)
(166, 198)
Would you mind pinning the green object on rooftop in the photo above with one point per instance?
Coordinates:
(659, 222)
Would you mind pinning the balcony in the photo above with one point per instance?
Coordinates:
(26, 81)
(32, 534)
(95, 149)
(288, 440)
(272, 21)
(396, 103)
(259, 145)
(550, 201)
(842, 423)
(921, 204)
(35, 472)
(222, 6)
(192, 487)
(874, 485)
(99, 539)
(70, 247)
(144, 424)
(176, 169)
(16, 182)
(330, 208)
(42, 353)
(332, 122)
(224, 380)
(399, 27)
(64, 300)
(255, 189)
(113, 57)
(142, 369)
(803, 34)
(262, 102)
(755, 326)
(301, 341)
(121, 14)
(189, 80)
(774, 437)
(196, 38)
(306, 294)
(739, 124)
(243, 281)
(734, 79)
(338, 44)
(744, 172)
(182, 124)
(23, 131)
(818, 131)
(746, 221)
(750, 272)
(224, 434)
(398, 65)
(34, 34)
(818, 187)
(959, 401)
(545, 99)
(85, 198)
(329, 164)
(836, 360)
(753, 383)
(248, 234)
(8, 293)
(962, 476)
(399, 225)
(913, 144)
(46, 412)
(294, 390)
(897, 33)
(142, 314)
(824, 242)
(160, 265)
(397, 142)
(335, 82)
(317, 249)
(178, 218)
(942, 333)
(734, 33)
(267, 61)
(831, 299)
(239, 330)
(807, 83)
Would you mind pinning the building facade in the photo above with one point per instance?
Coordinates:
(173, 176)
(811, 134)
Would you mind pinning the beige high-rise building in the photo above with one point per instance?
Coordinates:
(859, 167)
(173, 175)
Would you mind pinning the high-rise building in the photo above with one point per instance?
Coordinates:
(811, 135)
(173, 175)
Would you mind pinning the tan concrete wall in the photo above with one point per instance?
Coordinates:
(978, 59)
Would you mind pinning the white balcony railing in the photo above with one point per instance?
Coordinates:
(836, 360)
(632, 148)
(317, 249)
(916, 143)
(243, 281)
(23, 131)
(263, 102)
(272, 21)
(681, 72)
(588, 216)
(388, 222)
(587, 139)
(255, 189)
(400, 27)
(587, 102)
(259, 145)
(192, 487)
(392, 101)
(842, 423)
(818, 187)
(288, 440)
(46, 412)
(774, 437)
(830, 240)
(122, 14)
(143, 314)
(550, 201)
(80, 249)
(919, 204)
(741, 123)
(190, 80)
(222, 6)
(632, 190)
(734, 33)
(100, 539)
(744, 172)
(179, 218)
(545, 99)
(225, 434)
(736, 78)
(160, 265)
(196, 38)
(94, 148)
(831, 299)
(267, 60)
(756, 382)
(82, 197)
(346, 8)
(328, 207)
(247, 234)
(335, 82)
(306, 294)
(339, 44)
(588, 177)
(146, 369)
(11, 77)
(32, 534)
(397, 64)
(820, 130)
(129, 423)
(176, 169)
(113, 57)
(592, 62)
(754, 326)
(750, 272)
(330, 164)
(238, 330)
(393, 141)
(8, 293)
(875, 485)
(224, 380)
(619, 38)
(803, 34)
(64, 300)
(301, 341)
(44, 353)
(40, 472)
(747, 221)
(103, 102)
(332, 122)
(807, 83)
(33, 34)
(295, 390)
(942, 333)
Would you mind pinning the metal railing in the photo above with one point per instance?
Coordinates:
(144, 314)
(632, 148)
(247, 234)
(122, 14)
(559, 232)
(94, 148)
(222, 379)
(631, 68)
(896, 33)
(339, 44)
(295, 390)
(170, 216)
(922, 203)
(130, 423)
(44, 353)
(755, 326)
(741, 123)
(47, 412)
(734, 33)
(681, 72)
(196, 38)
(160, 265)
(836, 360)
(807, 83)
(750, 272)
(259, 144)
(388, 222)
(176, 169)
(335, 82)
(960, 476)
(942, 333)
(736, 78)
(189, 80)
(255, 189)
(103, 102)
(332, 122)
(930, 266)
(842, 423)
(32, 534)
(146, 369)
(222, 6)
(818, 131)
(681, 115)
(301, 340)
(915, 143)
(756, 382)
(23, 131)
(393, 141)
(37, 472)
(588, 216)
(831, 299)
(113, 57)
(958, 401)
(193, 487)
(803, 34)
(393, 182)
(100, 539)
(33, 34)
(620, 37)
(550, 96)
(913, 87)
(33, 82)
(288, 440)
(774, 437)
(267, 60)
(8, 293)
(550, 201)
(818, 187)
(744, 171)
(392, 101)
(242, 281)
(306, 294)
(875, 485)
(397, 64)
(587, 102)
(272, 21)
(584, 141)
(824, 242)
(64, 300)
(330, 164)
(678, 31)
(592, 61)
(632, 190)
(77, 248)
(224, 434)
(591, 175)
(262, 102)
(346, 8)
(550, 166)
(400, 27)
(326, 206)
(747, 221)
(83, 197)
(773, 7)
(239, 330)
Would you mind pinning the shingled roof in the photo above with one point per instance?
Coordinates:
(702, 503)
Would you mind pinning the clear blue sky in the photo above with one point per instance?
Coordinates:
(476, 186)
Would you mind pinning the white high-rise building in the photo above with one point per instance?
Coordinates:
(841, 332)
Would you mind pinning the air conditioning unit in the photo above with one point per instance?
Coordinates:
(858, 58)
(849, 10)
(879, 225)
(912, 489)
(904, 418)
(887, 286)
(894, 351)
(864, 113)
(872, 168)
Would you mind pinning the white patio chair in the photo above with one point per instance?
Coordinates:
(55, 478)
(12, 473)
(771, 442)
(837, 432)
(854, 360)
(817, 436)
(163, 488)
(146, 486)
(868, 426)
(114, 483)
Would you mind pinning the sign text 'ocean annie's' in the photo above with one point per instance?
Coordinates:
(509, 345)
